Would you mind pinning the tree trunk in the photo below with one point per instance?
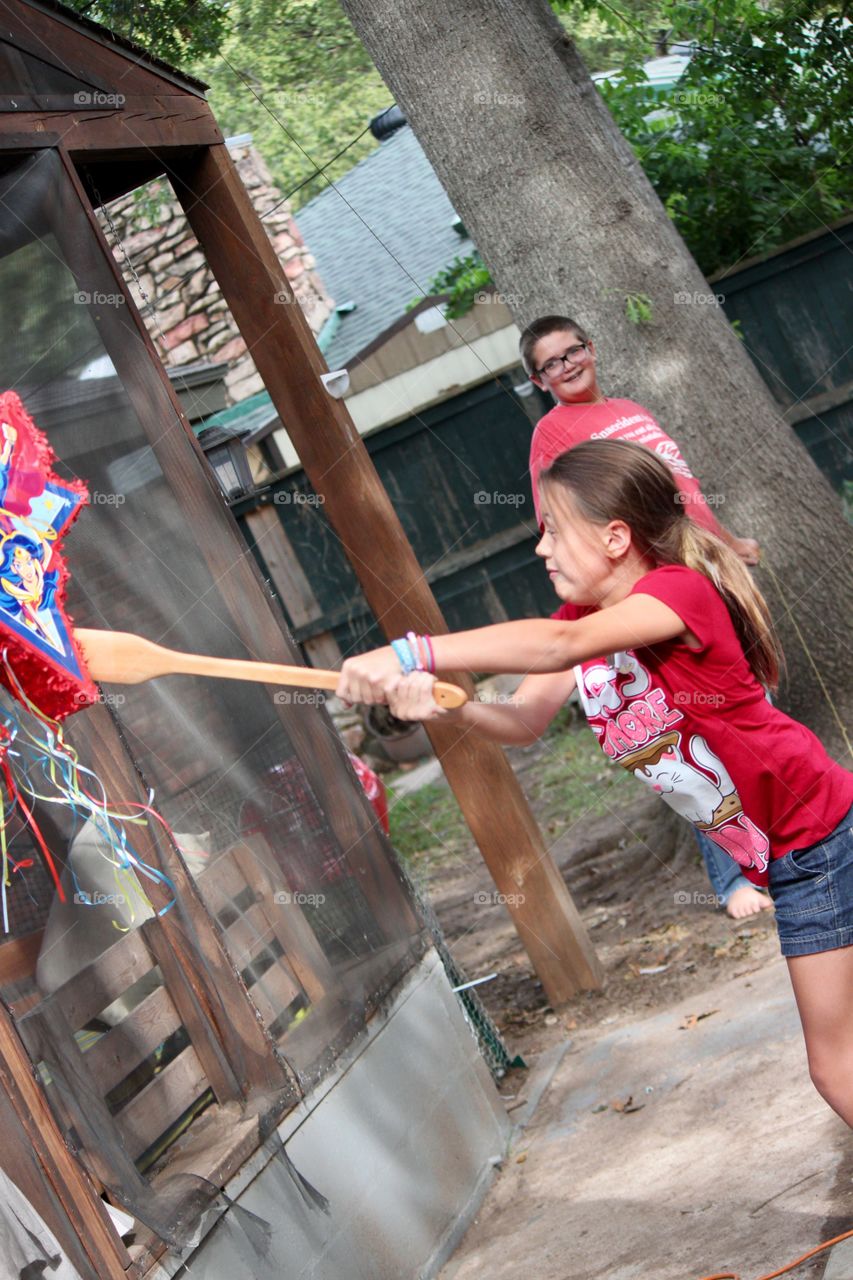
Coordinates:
(567, 222)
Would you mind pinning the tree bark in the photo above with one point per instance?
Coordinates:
(567, 222)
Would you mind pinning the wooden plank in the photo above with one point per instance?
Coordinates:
(162, 125)
(18, 957)
(188, 997)
(58, 1186)
(49, 1039)
(277, 988)
(359, 509)
(88, 992)
(286, 573)
(304, 954)
(121, 1050)
(147, 1116)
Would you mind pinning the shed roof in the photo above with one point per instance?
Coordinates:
(379, 236)
(112, 39)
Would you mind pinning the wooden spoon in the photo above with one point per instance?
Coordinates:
(119, 657)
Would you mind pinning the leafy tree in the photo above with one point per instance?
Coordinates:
(751, 147)
(178, 31)
(295, 75)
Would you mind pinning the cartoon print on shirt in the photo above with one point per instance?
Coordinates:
(641, 736)
(684, 788)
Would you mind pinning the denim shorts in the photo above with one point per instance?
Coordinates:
(812, 890)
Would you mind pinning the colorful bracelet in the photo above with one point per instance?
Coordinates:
(405, 655)
(430, 655)
(415, 647)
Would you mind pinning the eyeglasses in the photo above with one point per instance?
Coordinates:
(575, 355)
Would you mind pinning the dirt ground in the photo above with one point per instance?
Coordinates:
(637, 879)
(694, 1022)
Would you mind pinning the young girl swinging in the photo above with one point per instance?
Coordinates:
(671, 659)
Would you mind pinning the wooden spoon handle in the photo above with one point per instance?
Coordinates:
(118, 657)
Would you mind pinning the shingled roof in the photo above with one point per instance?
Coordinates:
(379, 236)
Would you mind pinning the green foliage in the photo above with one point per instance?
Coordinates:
(294, 74)
(638, 308)
(751, 148)
(177, 31)
(463, 281)
(609, 36)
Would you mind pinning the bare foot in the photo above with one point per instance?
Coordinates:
(747, 901)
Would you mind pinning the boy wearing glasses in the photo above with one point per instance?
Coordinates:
(559, 357)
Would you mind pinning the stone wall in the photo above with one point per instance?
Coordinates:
(176, 292)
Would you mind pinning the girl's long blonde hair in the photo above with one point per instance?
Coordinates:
(616, 480)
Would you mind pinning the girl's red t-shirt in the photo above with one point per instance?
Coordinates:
(695, 725)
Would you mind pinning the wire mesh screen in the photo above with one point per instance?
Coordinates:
(285, 852)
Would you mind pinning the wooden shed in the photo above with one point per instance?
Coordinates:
(145, 1066)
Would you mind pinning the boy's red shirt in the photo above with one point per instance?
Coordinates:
(569, 424)
(696, 727)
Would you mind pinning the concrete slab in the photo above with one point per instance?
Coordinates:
(732, 1163)
(840, 1265)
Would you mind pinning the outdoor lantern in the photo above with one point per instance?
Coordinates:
(224, 450)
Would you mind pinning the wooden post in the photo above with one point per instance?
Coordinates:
(356, 503)
(54, 1180)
